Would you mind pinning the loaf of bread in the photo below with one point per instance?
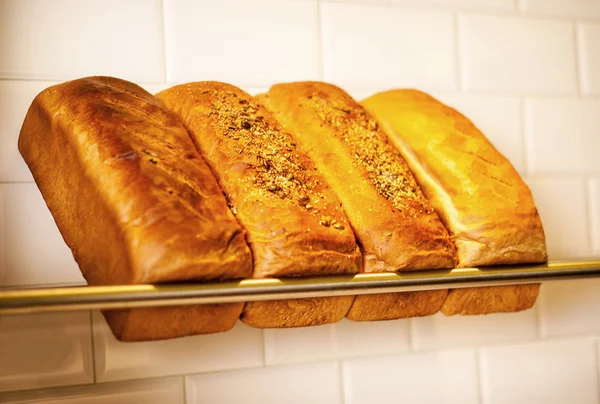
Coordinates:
(393, 222)
(133, 200)
(481, 199)
(294, 223)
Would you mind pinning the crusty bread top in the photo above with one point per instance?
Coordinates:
(479, 196)
(295, 225)
(144, 168)
(392, 219)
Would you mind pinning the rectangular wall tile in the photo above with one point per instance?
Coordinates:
(240, 347)
(562, 8)
(345, 339)
(32, 250)
(297, 345)
(594, 204)
(497, 54)
(553, 372)
(59, 39)
(570, 307)
(441, 377)
(561, 204)
(15, 99)
(480, 5)
(588, 37)
(563, 135)
(498, 117)
(376, 47)
(153, 391)
(257, 42)
(43, 350)
(353, 338)
(439, 331)
(316, 383)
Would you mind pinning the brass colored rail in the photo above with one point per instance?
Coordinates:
(23, 301)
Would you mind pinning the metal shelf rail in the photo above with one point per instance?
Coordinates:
(24, 301)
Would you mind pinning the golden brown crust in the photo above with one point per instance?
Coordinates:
(391, 306)
(296, 312)
(155, 323)
(481, 199)
(392, 220)
(497, 299)
(294, 223)
(132, 198)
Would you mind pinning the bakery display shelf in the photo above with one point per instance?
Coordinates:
(24, 301)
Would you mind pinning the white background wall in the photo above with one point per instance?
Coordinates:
(527, 72)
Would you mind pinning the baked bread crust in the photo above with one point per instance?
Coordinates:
(294, 223)
(483, 202)
(131, 197)
(393, 222)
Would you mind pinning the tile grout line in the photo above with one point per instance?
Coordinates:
(526, 139)
(524, 144)
(340, 367)
(93, 342)
(410, 336)
(458, 51)
(587, 200)
(263, 344)
(538, 318)
(597, 367)
(479, 370)
(184, 386)
(320, 56)
(164, 40)
(578, 64)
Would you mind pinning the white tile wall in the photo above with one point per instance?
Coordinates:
(480, 5)
(32, 251)
(553, 372)
(439, 377)
(562, 207)
(345, 339)
(316, 383)
(15, 98)
(374, 47)
(152, 391)
(239, 348)
(569, 308)
(44, 350)
(594, 204)
(588, 36)
(526, 72)
(512, 54)
(256, 42)
(561, 8)
(563, 135)
(439, 331)
(60, 39)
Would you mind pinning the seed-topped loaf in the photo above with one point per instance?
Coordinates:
(393, 222)
(133, 200)
(295, 224)
(481, 199)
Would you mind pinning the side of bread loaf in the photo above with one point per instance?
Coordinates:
(131, 197)
(392, 220)
(295, 225)
(481, 199)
